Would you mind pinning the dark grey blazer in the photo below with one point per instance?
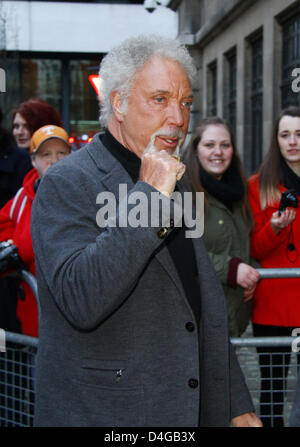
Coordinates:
(115, 348)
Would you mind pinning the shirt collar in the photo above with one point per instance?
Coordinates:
(130, 161)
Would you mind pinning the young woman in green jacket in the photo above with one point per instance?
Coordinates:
(213, 166)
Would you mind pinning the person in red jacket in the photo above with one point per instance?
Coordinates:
(48, 145)
(275, 243)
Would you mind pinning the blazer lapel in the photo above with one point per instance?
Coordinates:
(108, 165)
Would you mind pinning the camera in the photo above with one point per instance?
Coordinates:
(9, 257)
(288, 198)
(150, 5)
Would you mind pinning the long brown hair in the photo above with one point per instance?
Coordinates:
(192, 179)
(271, 172)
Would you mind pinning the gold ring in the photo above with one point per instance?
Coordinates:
(177, 157)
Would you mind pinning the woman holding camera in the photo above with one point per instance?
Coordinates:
(275, 243)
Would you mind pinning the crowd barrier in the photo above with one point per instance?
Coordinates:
(17, 361)
(17, 376)
(17, 380)
(17, 371)
(275, 380)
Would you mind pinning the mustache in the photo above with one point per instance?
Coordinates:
(171, 133)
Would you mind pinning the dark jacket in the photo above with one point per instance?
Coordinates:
(14, 165)
(118, 342)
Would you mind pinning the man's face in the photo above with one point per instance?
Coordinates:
(158, 108)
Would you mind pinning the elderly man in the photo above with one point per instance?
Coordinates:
(133, 326)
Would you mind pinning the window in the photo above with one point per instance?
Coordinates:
(290, 60)
(256, 102)
(253, 120)
(41, 78)
(60, 79)
(212, 89)
(11, 98)
(230, 88)
(84, 107)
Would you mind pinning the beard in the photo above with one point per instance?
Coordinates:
(169, 133)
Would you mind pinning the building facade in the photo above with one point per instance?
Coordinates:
(49, 50)
(248, 58)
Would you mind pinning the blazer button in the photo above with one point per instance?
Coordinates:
(190, 326)
(162, 232)
(193, 383)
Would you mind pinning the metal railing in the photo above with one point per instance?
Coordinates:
(279, 273)
(17, 381)
(17, 373)
(271, 377)
(271, 370)
(17, 377)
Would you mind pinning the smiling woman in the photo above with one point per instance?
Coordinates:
(213, 166)
(215, 150)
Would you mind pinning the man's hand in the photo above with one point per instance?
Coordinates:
(161, 170)
(247, 420)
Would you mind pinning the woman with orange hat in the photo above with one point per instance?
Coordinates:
(48, 145)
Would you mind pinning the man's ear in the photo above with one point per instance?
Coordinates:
(116, 103)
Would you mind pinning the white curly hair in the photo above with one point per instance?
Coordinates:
(118, 67)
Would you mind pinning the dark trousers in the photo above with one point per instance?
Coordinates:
(274, 366)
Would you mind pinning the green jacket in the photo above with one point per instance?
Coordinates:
(226, 236)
